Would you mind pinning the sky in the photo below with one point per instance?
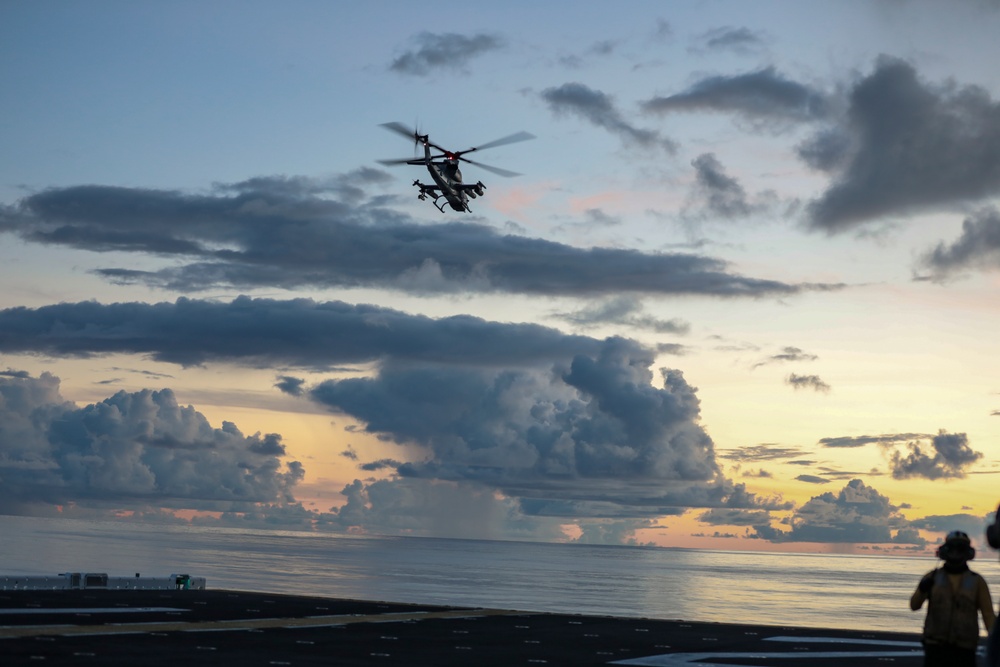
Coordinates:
(742, 294)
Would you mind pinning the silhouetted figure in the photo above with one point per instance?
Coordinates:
(993, 645)
(956, 595)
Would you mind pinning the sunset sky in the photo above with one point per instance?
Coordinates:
(745, 293)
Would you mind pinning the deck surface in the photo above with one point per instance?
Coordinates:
(218, 627)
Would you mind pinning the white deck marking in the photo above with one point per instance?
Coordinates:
(87, 610)
(13, 631)
(678, 659)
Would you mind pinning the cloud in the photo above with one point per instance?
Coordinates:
(719, 195)
(764, 99)
(567, 425)
(889, 439)
(592, 438)
(266, 332)
(446, 51)
(626, 311)
(297, 332)
(734, 517)
(599, 109)
(381, 464)
(738, 40)
(952, 455)
(827, 150)
(765, 452)
(290, 385)
(970, 524)
(858, 513)
(620, 531)
(807, 382)
(914, 147)
(278, 232)
(432, 508)
(788, 353)
(663, 31)
(812, 479)
(600, 49)
(978, 247)
(131, 448)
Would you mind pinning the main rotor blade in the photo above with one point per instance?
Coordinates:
(400, 128)
(405, 160)
(510, 139)
(496, 170)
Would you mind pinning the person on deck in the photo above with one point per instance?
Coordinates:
(957, 595)
(993, 644)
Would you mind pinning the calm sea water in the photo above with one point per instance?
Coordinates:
(858, 592)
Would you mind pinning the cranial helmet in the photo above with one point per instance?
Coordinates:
(957, 546)
(993, 531)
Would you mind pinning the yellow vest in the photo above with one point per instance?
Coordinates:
(952, 614)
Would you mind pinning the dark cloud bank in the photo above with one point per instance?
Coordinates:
(568, 428)
(299, 232)
(892, 143)
(930, 456)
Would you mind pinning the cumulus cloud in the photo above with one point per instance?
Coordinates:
(140, 447)
(913, 146)
(592, 437)
(280, 232)
(599, 109)
(764, 99)
(566, 426)
(445, 51)
(433, 508)
(949, 457)
(858, 513)
(621, 531)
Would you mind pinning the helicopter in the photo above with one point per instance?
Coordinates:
(444, 168)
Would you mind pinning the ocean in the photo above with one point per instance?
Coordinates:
(804, 590)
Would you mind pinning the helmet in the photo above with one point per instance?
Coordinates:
(993, 531)
(957, 546)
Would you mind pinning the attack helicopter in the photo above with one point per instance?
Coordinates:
(444, 168)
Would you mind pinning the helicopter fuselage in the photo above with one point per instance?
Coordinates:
(444, 169)
(447, 176)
